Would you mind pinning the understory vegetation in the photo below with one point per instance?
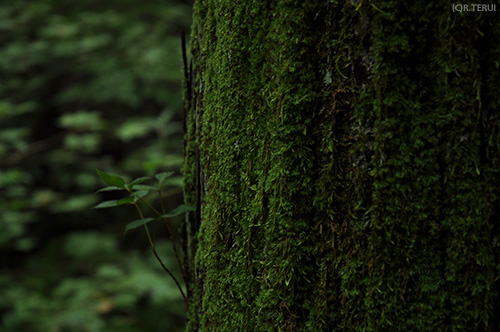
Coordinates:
(87, 85)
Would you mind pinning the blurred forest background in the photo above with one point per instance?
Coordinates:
(83, 85)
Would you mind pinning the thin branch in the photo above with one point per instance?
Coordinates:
(172, 240)
(160, 261)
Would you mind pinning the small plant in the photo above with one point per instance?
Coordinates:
(138, 191)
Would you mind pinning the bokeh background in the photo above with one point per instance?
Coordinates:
(86, 85)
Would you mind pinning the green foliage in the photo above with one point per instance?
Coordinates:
(108, 294)
(136, 196)
(118, 183)
(137, 223)
(112, 180)
(85, 85)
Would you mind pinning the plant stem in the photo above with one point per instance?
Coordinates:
(159, 259)
(151, 242)
(170, 234)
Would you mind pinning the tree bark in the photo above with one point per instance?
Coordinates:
(344, 159)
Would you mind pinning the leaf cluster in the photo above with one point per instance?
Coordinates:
(137, 192)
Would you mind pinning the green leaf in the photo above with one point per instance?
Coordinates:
(140, 194)
(106, 204)
(137, 223)
(162, 176)
(178, 210)
(139, 180)
(144, 187)
(114, 202)
(109, 188)
(112, 180)
(126, 200)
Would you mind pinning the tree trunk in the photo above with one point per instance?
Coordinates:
(344, 160)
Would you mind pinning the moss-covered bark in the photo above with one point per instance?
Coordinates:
(344, 159)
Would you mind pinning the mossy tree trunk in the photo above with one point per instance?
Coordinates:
(344, 159)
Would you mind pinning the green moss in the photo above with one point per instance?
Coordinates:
(348, 166)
